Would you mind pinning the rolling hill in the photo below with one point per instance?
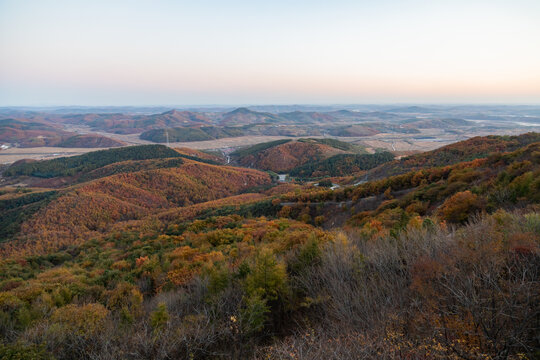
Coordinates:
(24, 133)
(244, 116)
(133, 124)
(71, 166)
(89, 141)
(187, 134)
(454, 193)
(474, 148)
(353, 130)
(29, 133)
(341, 165)
(285, 155)
(119, 185)
(307, 117)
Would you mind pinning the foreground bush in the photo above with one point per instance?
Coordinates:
(432, 292)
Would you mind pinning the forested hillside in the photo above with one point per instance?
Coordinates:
(168, 257)
(25, 133)
(251, 150)
(341, 165)
(83, 163)
(452, 193)
(92, 208)
(186, 134)
(30, 133)
(132, 124)
(474, 148)
(89, 141)
(285, 155)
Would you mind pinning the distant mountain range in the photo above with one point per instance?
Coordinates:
(27, 127)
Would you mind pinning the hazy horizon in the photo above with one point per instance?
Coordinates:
(300, 105)
(180, 54)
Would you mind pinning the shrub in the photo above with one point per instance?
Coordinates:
(325, 183)
(268, 279)
(159, 317)
(460, 206)
(83, 320)
(254, 314)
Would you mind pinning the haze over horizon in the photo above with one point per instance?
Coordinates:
(253, 52)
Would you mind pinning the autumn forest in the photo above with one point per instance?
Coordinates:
(152, 252)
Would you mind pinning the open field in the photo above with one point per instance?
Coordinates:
(40, 153)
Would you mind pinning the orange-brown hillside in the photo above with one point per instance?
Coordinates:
(90, 141)
(199, 154)
(90, 209)
(284, 157)
(473, 148)
(26, 133)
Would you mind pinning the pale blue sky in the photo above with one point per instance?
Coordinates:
(258, 52)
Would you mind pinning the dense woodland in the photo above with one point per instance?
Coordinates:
(341, 165)
(186, 134)
(338, 144)
(474, 148)
(286, 155)
(251, 150)
(82, 164)
(167, 257)
(67, 166)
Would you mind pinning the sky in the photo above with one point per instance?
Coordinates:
(202, 52)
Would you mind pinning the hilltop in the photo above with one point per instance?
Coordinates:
(90, 141)
(30, 134)
(74, 165)
(285, 155)
(187, 134)
(24, 133)
(244, 116)
(341, 165)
